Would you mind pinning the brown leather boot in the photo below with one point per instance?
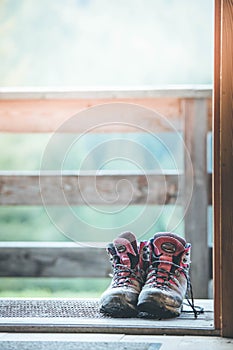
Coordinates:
(120, 299)
(167, 276)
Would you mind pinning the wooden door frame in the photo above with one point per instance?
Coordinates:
(223, 166)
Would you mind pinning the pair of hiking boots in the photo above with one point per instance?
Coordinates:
(150, 277)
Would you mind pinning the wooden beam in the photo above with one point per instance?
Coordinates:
(216, 170)
(52, 259)
(223, 134)
(196, 231)
(49, 111)
(165, 91)
(50, 115)
(107, 188)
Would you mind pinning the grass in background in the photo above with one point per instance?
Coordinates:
(53, 287)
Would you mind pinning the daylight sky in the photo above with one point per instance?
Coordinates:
(105, 42)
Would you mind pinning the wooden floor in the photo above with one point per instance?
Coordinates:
(82, 316)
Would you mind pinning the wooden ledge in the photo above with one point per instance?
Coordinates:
(82, 315)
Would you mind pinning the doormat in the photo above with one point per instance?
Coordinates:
(66, 345)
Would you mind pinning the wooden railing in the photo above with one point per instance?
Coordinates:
(189, 110)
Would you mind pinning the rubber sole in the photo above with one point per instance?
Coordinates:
(118, 308)
(151, 309)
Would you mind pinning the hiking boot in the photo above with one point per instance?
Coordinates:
(167, 276)
(120, 299)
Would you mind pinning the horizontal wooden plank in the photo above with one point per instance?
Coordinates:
(119, 110)
(48, 115)
(55, 259)
(178, 91)
(112, 326)
(48, 259)
(105, 188)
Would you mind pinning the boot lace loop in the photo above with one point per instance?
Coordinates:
(123, 276)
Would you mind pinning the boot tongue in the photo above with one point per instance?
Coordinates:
(168, 248)
(168, 243)
(126, 249)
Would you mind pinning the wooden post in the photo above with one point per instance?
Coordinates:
(216, 170)
(223, 164)
(195, 132)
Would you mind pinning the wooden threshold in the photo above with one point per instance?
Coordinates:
(82, 316)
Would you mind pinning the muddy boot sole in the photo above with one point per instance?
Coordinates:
(118, 308)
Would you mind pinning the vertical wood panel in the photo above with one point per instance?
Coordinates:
(216, 162)
(196, 115)
(224, 214)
